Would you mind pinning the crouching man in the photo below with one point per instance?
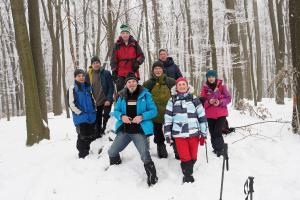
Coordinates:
(134, 112)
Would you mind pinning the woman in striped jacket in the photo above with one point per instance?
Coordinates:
(185, 121)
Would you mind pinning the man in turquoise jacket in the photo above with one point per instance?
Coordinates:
(134, 112)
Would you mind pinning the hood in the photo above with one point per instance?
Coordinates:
(168, 62)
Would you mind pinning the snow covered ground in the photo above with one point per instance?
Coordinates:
(51, 169)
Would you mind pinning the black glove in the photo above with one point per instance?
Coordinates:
(135, 66)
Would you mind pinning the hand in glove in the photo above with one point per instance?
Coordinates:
(202, 140)
(135, 66)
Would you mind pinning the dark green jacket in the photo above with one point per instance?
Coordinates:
(160, 88)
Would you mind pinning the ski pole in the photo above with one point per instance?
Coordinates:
(225, 161)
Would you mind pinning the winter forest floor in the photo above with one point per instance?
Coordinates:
(51, 169)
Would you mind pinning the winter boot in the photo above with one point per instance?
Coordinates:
(151, 173)
(187, 170)
(115, 160)
(162, 151)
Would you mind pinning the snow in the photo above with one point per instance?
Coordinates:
(51, 169)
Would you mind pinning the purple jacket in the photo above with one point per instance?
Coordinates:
(221, 93)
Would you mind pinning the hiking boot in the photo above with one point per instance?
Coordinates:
(115, 160)
(187, 170)
(162, 151)
(151, 173)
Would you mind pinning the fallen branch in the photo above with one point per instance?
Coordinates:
(273, 121)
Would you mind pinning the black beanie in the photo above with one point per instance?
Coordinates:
(94, 59)
(131, 76)
(78, 71)
(157, 64)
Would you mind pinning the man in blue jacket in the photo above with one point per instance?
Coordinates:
(81, 102)
(103, 89)
(134, 112)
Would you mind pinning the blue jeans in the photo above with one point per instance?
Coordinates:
(123, 139)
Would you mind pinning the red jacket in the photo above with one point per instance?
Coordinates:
(221, 93)
(124, 57)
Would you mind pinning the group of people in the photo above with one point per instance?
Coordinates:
(165, 106)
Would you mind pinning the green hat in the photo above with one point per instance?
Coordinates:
(124, 28)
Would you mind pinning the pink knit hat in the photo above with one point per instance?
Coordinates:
(181, 79)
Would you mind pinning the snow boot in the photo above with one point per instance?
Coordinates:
(187, 170)
(151, 173)
(115, 160)
(162, 151)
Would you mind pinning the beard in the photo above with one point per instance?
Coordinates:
(132, 89)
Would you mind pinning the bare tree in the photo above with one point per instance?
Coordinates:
(211, 36)
(294, 12)
(34, 119)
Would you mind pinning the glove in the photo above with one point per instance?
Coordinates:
(135, 66)
(169, 140)
(114, 76)
(202, 140)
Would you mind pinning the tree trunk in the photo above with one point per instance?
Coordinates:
(85, 8)
(235, 52)
(34, 119)
(38, 60)
(6, 88)
(259, 72)
(156, 26)
(294, 12)
(251, 54)
(147, 35)
(279, 64)
(72, 50)
(190, 42)
(99, 28)
(76, 35)
(211, 36)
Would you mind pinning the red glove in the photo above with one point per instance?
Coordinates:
(202, 140)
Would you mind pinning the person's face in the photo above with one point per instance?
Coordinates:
(211, 79)
(182, 87)
(96, 65)
(80, 78)
(158, 71)
(163, 56)
(125, 35)
(131, 85)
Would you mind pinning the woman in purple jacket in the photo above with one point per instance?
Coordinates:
(216, 97)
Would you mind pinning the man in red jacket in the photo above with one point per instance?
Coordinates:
(126, 57)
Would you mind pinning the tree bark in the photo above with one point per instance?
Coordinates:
(72, 50)
(294, 12)
(259, 71)
(34, 119)
(235, 51)
(156, 26)
(147, 34)
(211, 36)
(38, 60)
(279, 89)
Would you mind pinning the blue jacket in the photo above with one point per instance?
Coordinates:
(145, 107)
(81, 103)
(106, 82)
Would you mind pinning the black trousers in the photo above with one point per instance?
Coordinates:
(215, 128)
(102, 117)
(120, 83)
(159, 137)
(86, 134)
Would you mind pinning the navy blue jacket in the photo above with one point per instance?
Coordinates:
(171, 69)
(106, 82)
(81, 102)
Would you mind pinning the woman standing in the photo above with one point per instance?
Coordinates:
(185, 121)
(216, 98)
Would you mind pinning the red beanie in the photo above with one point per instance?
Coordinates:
(181, 79)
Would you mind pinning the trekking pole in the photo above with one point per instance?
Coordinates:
(248, 187)
(206, 152)
(225, 161)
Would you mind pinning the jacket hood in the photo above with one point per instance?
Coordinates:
(168, 62)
